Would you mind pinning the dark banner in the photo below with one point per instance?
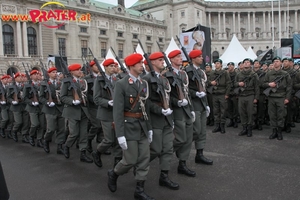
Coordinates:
(296, 44)
(198, 38)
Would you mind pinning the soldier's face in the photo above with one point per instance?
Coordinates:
(208, 69)
(34, 77)
(286, 64)
(95, 69)
(247, 63)
(4, 81)
(110, 69)
(230, 68)
(277, 64)
(265, 67)
(18, 79)
(198, 60)
(53, 74)
(218, 65)
(76, 73)
(158, 64)
(177, 60)
(147, 68)
(137, 69)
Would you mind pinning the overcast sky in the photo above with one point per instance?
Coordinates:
(129, 3)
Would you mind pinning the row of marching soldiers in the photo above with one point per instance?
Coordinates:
(253, 93)
(144, 115)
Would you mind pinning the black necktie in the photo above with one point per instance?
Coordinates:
(137, 83)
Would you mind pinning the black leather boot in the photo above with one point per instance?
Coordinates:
(288, 128)
(139, 192)
(244, 131)
(183, 169)
(165, 181)
(235, 124)
(97, 158)
(89, 146)
(217, 128)
(15, 136)
(2, 133)
(279, 133)
(112, 180)
(200, 158)
(60, 150)
(222, 126)
(255, 125)
(40, 143)
(259, 127)
(274, 134)
(85, 158)
(9, 136)
(25, 139)
(117, 160)
(46, 146)
(249, 131)
(211, 123)
(31, 141)
(230, 124)
(66, 152)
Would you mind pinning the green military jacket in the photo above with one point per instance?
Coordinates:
(261, 78)
(251, 86)
(293, 74)
(90, 92)
(3, 97)
(232, 76)
(223, 83)
(10, 97)
(125, 94)
(28, 95)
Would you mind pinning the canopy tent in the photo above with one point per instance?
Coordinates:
(251, 53)
(235, 52)
(172, 46)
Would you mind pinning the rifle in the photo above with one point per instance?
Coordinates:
(162, 93)
(210, 88)
(2, 91)
(245, 80)
(32, 89)
(46, 80)
(14, 86)
(108, 85)
(69, 78)
(119, 61)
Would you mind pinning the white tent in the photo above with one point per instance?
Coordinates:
(235, 52)
(251, 53)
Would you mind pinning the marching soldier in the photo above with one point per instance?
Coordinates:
(210, 118)
(247, 86)
(52, 107)
(133, 130)
(197, 81)
(76, 112)
(183, 113)
(21, 117)
(233, 99)
(37, 118)
(220, 84)
(161, 119)
(6, 114)
(279, 84)
(103, 98)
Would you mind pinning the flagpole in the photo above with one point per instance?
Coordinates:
(288, 19)
(279, 24)
(273, 45)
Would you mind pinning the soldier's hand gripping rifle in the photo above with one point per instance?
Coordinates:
(2, 91)
(14, 87)
(245, 80)
(32, 89)
(276, 81)
(69, 78)
(160, 89)
(46, 81)
(120, 63)
(108, 86)
(210, 88)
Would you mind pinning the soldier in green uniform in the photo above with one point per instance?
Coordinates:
(21, 117)
(197, 81)
(232, 101)
(75, 111)
(133, 130)
(220, 84)
(279, 82)
(52, 107)
(33, 107)
(161, 119)
(297, 101)
(248, 90)
(210, 118)
(103, 98)
(6, 114)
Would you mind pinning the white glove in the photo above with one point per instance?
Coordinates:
(200, 94)
(150, 136)
(111, 102)
(50, 104)
(207, 111)
(76, 102)
(3, 102)
(14, 102)
(36, 103)
(194, 116)
(122, 142)
(182, 102)
(166, 112)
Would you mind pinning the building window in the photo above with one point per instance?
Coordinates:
(8, 39)
(149, 50)
(182, 13)
(198, 13)
(62, 46)
(62, 27)
(102, 32)
(170, 15)
(120, 50)
(83, 30)
(32, 44)
(135, 36)
(120, 34)
(84, 47)
(103, 49)
(160, 39)
(148, 38)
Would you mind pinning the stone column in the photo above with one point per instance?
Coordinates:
(219, 23)
(1, 40)
(254, 31)
(270, 25)
(296, 21)
(233, 20)
(224, 26)
(209, 23)
(264, 25)
(249, 23)
(285, 25)
(19, 40)
(41, 41)
(25, 40)
(239, 26)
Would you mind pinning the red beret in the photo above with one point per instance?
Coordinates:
(74, 67)
(195, 53)
(92, 63)
(174, 53)
(145, 62)
(5, 76)
(133, 59)
(17, 74)
(51, 69)
(156, 55)
(108, 62)
(34, 72)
